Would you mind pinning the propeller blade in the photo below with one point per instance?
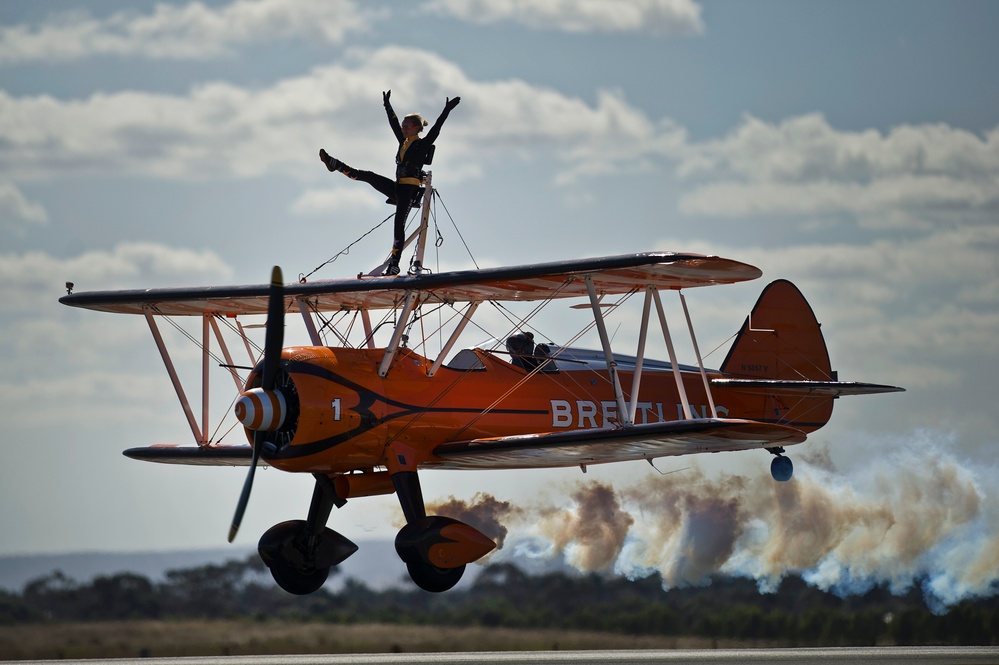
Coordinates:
(273, 341)
(274, 337)
(244, 496)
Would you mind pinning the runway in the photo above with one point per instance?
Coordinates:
(882, 655)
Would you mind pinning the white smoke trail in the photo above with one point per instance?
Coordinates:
(913, 514)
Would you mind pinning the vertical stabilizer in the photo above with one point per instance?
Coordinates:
(780, 348)
(781, 339)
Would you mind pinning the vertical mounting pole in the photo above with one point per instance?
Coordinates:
(697, 352)
(424, 223)
(417, 235)
(681, 391)
(598, 318)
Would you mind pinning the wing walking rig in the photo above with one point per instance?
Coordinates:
(364, 420)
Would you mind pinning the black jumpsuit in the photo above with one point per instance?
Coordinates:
(409, 159)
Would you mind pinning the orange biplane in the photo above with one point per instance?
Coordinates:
(364, 418)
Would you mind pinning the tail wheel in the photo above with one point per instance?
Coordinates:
(433, 579)
(781, 468)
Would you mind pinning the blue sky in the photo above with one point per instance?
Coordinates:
(852, 147)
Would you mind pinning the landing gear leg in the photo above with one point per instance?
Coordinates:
(300, 553)
(414, 541)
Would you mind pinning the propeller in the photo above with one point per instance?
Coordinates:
(273, 341)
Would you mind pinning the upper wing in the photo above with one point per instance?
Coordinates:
(561, 279)
(597, 446)
(238, 455)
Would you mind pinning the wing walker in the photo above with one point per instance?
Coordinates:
(364, 417)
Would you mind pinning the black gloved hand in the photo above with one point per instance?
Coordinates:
(385, 97)
(451, 103)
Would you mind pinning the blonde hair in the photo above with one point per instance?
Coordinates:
(418, 118)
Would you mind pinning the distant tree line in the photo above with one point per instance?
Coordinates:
(504, 596)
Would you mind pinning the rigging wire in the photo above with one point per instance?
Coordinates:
(343, 252)
(534, 371)
(460, 237)
(438, 241)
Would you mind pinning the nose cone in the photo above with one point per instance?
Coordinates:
(261, 410)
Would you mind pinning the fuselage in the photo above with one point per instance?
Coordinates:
(343, 414)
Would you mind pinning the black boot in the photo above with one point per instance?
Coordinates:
(393, 265)
(332, 163)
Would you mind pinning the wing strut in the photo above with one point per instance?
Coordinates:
(412, 299)
(598, 317)
(672, 357)
(165, 355)
(225, 353)
(205, 341)
(640, 355)
(310, 325)
(697, 352)
(652, 293)
(465, 318)
(208, 326)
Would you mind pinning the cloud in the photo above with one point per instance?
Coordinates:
(656, 17)
(802, 166)
(16, 211)
(918, 313)
(192, 31)
(339, 200)
(106, 370)
(32, 277)
(916, 176)
(222, 130)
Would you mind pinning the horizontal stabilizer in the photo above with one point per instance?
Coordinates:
(194, 455)
(785, 387)
(599, 446)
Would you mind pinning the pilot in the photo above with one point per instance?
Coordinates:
(413, 153)
(521, 348)
(542, 356)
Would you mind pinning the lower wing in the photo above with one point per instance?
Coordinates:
(599, 446)
(195, 455)
(546, 450)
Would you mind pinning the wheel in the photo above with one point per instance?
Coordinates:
(296, 570)
(434, 579)
(293, 581)
(781, 468)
